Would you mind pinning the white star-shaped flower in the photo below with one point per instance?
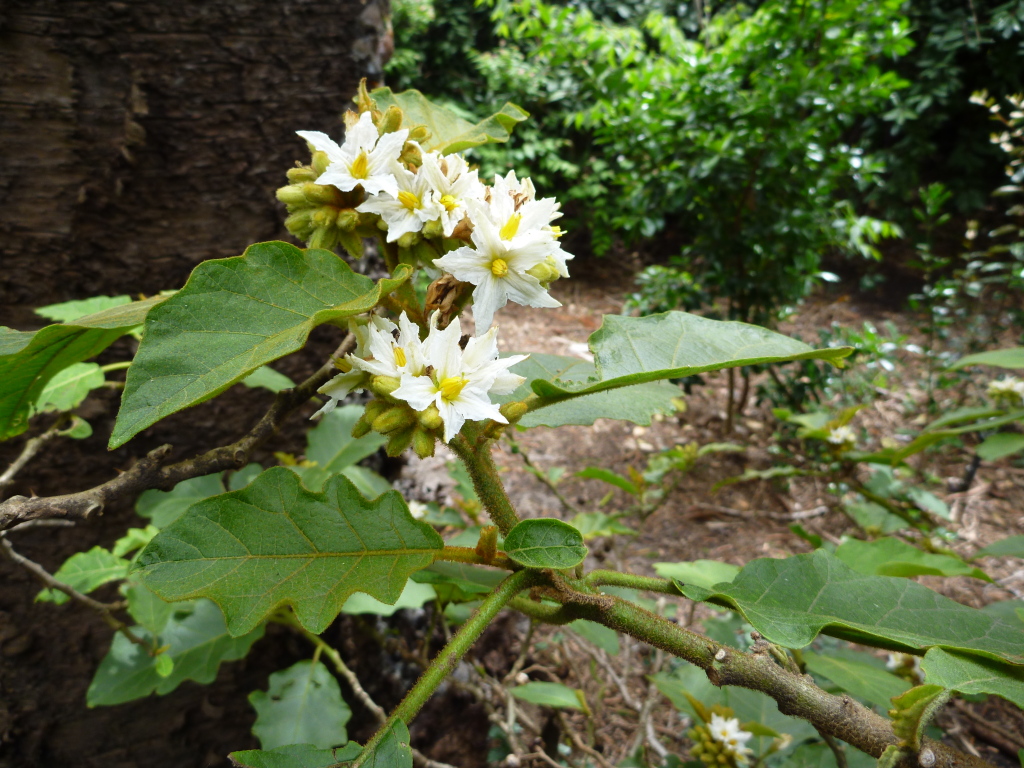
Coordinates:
(408, 209)
(498, 267)
(727, 732)
(1009, 389)
(459, 381)
(365, 159)
(382, 349)
(453, 184)
(843, 435)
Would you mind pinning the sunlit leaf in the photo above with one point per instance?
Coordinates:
(414, 595)
(790, 601)
(84, 572)
(67, 389)
(970, 674)
(268, 378)
(275, 543)
(700, 573)
(449, 132)
(548, 695)
(233, 316)
(895, 557)
(302, 705)
(1012, 357)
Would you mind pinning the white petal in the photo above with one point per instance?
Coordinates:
(488, 297)
(417, 391)
(473, 404)
(342, 384)
(453, 420)
(527, 290)
(362, 135)
(323, 143)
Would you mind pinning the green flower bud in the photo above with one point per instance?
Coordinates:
(301, 174)
(419, 133)
(433, 228)
(361, 427)
(399, 418)
(300, 223)
(383, 386)
(325, 216)
(409, 239)
(347, 219)
(430, 418)
(322, 238)
(399, 442)
(513, 411)
(291, 195)
(321, 194)
(374, 408)
(423, 443)
(390, 121)
(319, 164)
(544, 272)
(411, 155)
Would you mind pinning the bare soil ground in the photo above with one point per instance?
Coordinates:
(48, 653)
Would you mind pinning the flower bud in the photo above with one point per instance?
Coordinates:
(322, 238)
(361, 428)
(430, 418)
(319, 164)
(383, 386)
(302, 173)
(347, 219)
(391, 120)
(398, 418)
(291, 195)
(513, 411)
(544, 272)
(409, 239)
(321, 194)
(411, 154)
(352, 243)
(399, 442)
(487, 544)
(325, 216)
(300, 223)
(433, 228)
(418, 133)
(374, 408)
(423, 443)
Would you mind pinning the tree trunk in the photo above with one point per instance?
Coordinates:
(140, 138)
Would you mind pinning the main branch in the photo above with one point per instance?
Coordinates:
(148, 472)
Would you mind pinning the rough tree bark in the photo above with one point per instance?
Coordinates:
(139, 138)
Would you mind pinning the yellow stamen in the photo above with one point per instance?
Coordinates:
(452, 386)
(360, 167)
(409, 200)
(511, 227)
(399, 356)
(499, 268)
(449, 202)
(556, 231)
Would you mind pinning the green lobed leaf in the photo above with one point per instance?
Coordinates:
(700, 573)
(233, 316)
(332, 449)
(634, 350)
(164, 507)
(913, 710)
(862, 680)
(392, 751)
(1012, 357)
(84, 572)
(894, 557)
(268, 378)
(275, 543)
(133, 539)
(449, 132)
(302, 705)
(1001, 444)
(790, 601)
(970, 674)
(67, 389)
(29, 360)
(69, 311)
(414, 595)
(548, 695)
(198, 642)
(1011, 546)
(637, 405)
(147, 609)
(545, 543)
(295, 756)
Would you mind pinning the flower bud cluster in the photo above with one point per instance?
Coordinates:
(1007, 392)
(721, 743)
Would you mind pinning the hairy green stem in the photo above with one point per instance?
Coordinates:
(470, 555)
(643, 583)
(476, 455)
(450, 655)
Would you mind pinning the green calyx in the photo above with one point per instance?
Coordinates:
(397, 418)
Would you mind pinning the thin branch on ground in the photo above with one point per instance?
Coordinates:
(148, 472)
(578, 743)
(543, 477)
(105, 610)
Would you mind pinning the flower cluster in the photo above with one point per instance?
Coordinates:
(432, 210)
(721, 742)
(842, 437)
(440, 380)
(500, 238)
(1007, 392)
